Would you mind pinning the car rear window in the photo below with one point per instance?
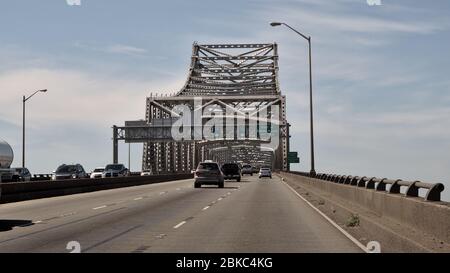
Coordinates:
(230, 167)
(66, 169)
(247, 166)
(208, 166)
(114, 167)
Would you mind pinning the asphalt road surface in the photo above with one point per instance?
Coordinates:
(255, 215)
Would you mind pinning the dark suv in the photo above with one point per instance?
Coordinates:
(115, 170)
(231, 171)
(208, 173)
(74, 171)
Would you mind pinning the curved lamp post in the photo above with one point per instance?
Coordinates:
(23, 123)
(308, 38)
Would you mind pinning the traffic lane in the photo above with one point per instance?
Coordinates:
(39, 209)
(118, 228)
(265, 216)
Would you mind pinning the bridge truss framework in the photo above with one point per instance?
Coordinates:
(242, 78)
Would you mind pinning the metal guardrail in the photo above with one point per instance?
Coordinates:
(379, 184)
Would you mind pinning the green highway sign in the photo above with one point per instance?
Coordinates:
(293, 160)
(293, 157)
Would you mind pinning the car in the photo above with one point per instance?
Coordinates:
(231, 171)
(21, 174)
(115, 170)
(208, 173)
(247, 169)
(146, 172)
(97, 172)
(265, 172)
(72, 171)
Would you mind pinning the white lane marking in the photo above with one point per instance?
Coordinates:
(178, 189)
(101, 207)
(353, 239)
(37, 222)
(68, 214)
(179, 225)
(219, 199)
(205, 208)
(229, 193)
(139, 198)
(163, 192)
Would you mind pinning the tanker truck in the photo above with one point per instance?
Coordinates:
(6, 158)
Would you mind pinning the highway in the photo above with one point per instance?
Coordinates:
(255, 215)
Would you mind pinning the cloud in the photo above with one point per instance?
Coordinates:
(125, 49)
(75, 96)
(72, 121)
(113, 49)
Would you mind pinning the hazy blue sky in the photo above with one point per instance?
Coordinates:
(381, 76)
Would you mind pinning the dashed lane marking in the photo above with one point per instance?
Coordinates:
(179, 225)
(101, 207)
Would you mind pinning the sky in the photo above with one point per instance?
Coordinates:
(380, 74)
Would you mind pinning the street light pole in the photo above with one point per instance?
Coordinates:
(23, 132)
(308, 38)
(24, 100)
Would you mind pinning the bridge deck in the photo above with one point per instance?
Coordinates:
(252, 216)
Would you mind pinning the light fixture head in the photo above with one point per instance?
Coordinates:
(275, 24)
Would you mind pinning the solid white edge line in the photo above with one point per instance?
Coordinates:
(179, 225)
(101, 207)
(353, 239)
(205, 208)
(138, 198)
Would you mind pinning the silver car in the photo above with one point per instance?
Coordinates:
(265, 172)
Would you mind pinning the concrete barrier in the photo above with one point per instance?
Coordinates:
(431, 218)
(21, 191)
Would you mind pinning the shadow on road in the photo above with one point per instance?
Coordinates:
(215, 187)
(6, 225)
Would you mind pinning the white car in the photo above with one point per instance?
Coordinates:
(146, 173)
(265, 172)
(97, 172)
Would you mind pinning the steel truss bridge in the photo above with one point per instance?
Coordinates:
(231, 89)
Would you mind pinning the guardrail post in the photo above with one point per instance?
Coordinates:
(371, 183)
(395, 188)
(361, 182)
(434, 194)
(381, 185)
(412, 190)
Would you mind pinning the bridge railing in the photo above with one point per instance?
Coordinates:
(379, 184)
